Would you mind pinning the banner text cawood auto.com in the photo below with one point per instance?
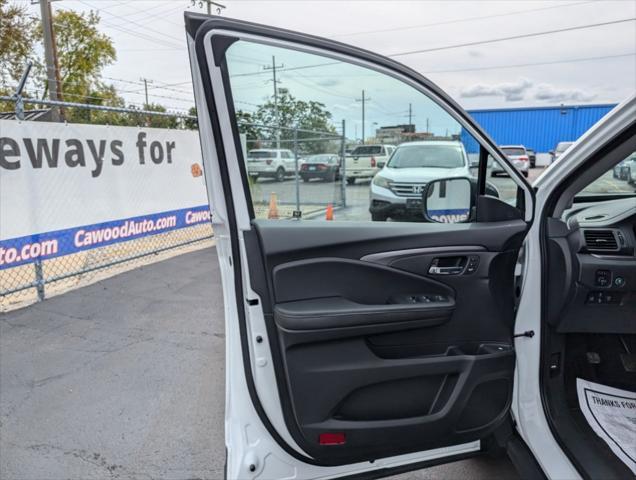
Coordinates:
(66, 188)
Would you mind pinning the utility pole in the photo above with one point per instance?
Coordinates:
(363, 100)
(209, 3)
(410, 114)
(427, 130)
(146, 82)
(276, 82)
(50, 54)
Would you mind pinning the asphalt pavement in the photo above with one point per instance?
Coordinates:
(125, 379)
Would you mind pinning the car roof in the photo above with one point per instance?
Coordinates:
(429, 142)
(512, 146)
(269, 150)
(375, 145)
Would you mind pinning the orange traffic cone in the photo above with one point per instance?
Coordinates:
(329, 214)
(272, 213)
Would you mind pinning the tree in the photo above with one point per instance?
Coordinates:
(191, 124)
(17, 38)
(104, 96)
(82, 54)
(293, 113)
(156, 121)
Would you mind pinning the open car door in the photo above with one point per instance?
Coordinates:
(353, 347)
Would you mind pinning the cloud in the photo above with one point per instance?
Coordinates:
(549, 93)
(329, 82)
(526, 89)
(340, 106)
(512, 92)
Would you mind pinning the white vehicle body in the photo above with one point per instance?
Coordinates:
(517, 155)
(259, 440)
(366, 160)
(398, 191)
(271, 162)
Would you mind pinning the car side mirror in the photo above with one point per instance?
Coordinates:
(447, 200)
(551, 152)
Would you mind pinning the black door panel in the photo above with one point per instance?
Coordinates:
(358, 350)
(284, 241)
(340, 312)
(320, 277)
(342, 386)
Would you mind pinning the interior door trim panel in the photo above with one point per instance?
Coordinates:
(358, 351)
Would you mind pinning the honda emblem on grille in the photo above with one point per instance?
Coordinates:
(418, 188)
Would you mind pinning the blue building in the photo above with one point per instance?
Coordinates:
(538, 128)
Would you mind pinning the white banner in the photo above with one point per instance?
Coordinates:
(55, 177)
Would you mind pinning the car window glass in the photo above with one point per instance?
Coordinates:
(620, 179)
(428, 155)
(513, 151)
(497, 180)
(256, 154)
(314, 106)
(368, 150)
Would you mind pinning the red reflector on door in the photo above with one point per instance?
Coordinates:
(331, 439)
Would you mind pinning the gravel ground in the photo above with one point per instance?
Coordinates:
(125, 379)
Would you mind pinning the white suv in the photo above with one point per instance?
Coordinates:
(273, 163)
(396, 191)
(366, 160)
(519, 157)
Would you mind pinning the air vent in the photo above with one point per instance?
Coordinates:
(600, 240)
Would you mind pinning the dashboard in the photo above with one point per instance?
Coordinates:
(592, 268)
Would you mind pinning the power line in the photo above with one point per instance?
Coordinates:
(133, 22)
(143, 36)
(514, 37)
(535, 34)
(461, 20)
(518, 65)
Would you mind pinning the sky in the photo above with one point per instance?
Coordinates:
(456, 44)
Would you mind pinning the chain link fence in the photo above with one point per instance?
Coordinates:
(299, 171)
(294, 195)
(44, 277)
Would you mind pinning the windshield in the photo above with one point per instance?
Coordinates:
(423, 156)
(367, 150)
(514, 151)
(261, 154)
(563, 146)
(319, 159)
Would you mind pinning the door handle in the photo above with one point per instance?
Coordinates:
(448, 266)
(435, 270)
